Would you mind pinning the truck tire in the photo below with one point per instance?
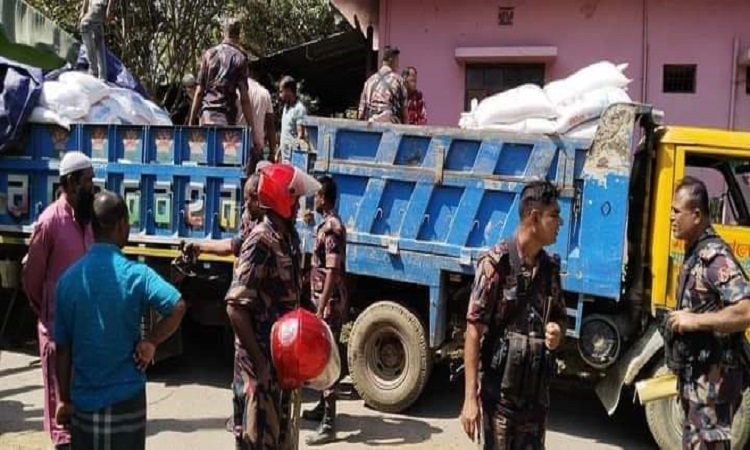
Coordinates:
(665, 419)
(389, 359)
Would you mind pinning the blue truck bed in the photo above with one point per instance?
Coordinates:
(419, 203)
(178, 182)
(423, 202)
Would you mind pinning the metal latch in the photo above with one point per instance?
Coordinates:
(465, 257)
(393, 246)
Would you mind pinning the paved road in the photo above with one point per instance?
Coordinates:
(189, 403)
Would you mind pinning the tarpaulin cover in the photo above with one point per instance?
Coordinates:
(117, 73)
(20, 89)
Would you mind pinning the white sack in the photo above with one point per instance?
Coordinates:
(108, 111)
(589, 106)
(584, 131)
(467, 121)
(515, 105)
(134, 110)
(44, 115)
(599, 75)
(159, 116)
(533, 125)
(66, 100)
(94, 88)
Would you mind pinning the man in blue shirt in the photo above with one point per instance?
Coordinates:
(100, 302)
(291, 119)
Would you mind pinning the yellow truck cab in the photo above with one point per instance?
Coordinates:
(722, 160)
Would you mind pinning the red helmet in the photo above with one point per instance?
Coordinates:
(304, 351)
(281, 185)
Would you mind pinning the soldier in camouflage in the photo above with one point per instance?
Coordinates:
(712, 281)
(494, 307)
(383, 98)
(266, 286)
(329, 293)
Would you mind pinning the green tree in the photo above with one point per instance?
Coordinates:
(161, 40)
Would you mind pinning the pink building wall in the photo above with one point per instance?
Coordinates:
(584, 31)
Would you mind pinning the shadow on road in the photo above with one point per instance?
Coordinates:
(17, 418)
(19, 390)
(156, 426)
(385, 432)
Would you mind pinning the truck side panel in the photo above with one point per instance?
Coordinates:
(422, 201)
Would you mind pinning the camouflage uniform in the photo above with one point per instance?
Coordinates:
(330, 253)
(267, 284)
(383, 98)
(248, 223)
(223, 70)
(711, 396)
(509, 426)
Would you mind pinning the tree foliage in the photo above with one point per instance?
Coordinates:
(161, 40)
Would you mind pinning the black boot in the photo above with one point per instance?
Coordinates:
(323, 435)
(326, 432)
(316, 414)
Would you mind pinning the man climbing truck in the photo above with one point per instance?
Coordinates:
(421, 205)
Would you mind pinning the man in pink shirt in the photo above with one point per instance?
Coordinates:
(61, 236)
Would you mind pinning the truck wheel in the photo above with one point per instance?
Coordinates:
(389, 360)
(665, 420)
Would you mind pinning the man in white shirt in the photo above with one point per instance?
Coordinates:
(265, 130)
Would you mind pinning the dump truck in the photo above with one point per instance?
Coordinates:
(420, 205)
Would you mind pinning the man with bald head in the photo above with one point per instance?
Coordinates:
(101, 355)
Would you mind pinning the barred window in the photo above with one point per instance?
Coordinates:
(679, 78)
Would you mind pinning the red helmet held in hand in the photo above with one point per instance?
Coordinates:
(304, 352)
(281, 186)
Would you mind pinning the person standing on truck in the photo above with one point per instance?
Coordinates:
(713, 313)
(328, 289)
(94, 15)
(101, 356)
(291, 119)
(265, 129)
(266, 285)
(517, 304)
(180, 113)
(62, 235)
(384, 95)
(222, 74)
(416, 111)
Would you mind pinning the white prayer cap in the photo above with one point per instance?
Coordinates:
(73, 162)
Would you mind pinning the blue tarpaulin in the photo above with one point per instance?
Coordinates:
(20, 89)
(117, 73)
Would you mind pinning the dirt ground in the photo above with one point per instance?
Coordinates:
(189, 402)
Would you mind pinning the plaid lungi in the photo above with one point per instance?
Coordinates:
(118, 427)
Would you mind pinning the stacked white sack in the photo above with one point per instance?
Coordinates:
(515, 105)
(600, 75)
(80, 97)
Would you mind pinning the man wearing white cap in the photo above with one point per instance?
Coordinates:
(62, 234)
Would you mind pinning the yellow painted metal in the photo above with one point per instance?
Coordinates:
(657, 388)
(147, 251)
